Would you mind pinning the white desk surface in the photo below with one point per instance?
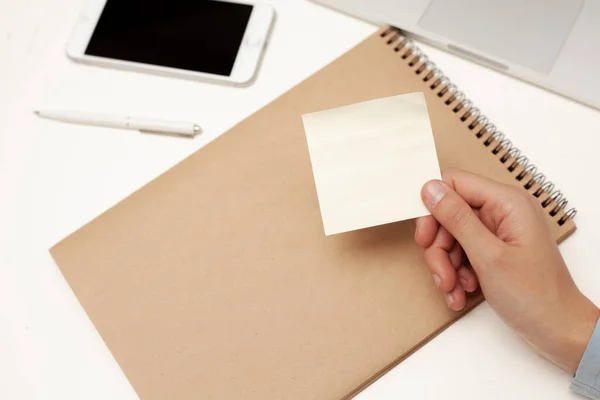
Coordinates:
(55, 177)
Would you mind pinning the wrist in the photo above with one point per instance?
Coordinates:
(575, 334)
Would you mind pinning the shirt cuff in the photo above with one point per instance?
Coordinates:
(587, 378)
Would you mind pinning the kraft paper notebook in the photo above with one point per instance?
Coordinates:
(216, 281)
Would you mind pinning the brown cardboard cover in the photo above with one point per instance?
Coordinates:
(215, 281)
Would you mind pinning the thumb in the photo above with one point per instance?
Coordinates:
(454, 214)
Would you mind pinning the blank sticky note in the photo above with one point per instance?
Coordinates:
(370, 161)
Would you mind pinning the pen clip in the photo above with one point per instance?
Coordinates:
(195, 131)
(186, 135)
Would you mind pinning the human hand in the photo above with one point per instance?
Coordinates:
(515, 260)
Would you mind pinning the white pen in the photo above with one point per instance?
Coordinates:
(188, 129)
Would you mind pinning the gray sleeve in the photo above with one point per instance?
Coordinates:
(587, 378)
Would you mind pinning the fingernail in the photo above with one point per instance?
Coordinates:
(450, 298)
(437, 280)
(464, 283)
(434, 192)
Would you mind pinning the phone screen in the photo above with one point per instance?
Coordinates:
(196, 35)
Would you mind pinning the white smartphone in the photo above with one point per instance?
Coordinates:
(218, 41)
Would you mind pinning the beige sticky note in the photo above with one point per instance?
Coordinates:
(370, 161)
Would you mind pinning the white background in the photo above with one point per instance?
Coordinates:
(55, 177)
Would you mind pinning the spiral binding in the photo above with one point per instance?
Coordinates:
(488, 133)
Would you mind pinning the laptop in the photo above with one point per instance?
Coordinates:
(554, 44)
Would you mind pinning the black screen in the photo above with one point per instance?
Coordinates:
(196, 35)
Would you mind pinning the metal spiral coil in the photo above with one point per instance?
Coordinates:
(502, 146)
